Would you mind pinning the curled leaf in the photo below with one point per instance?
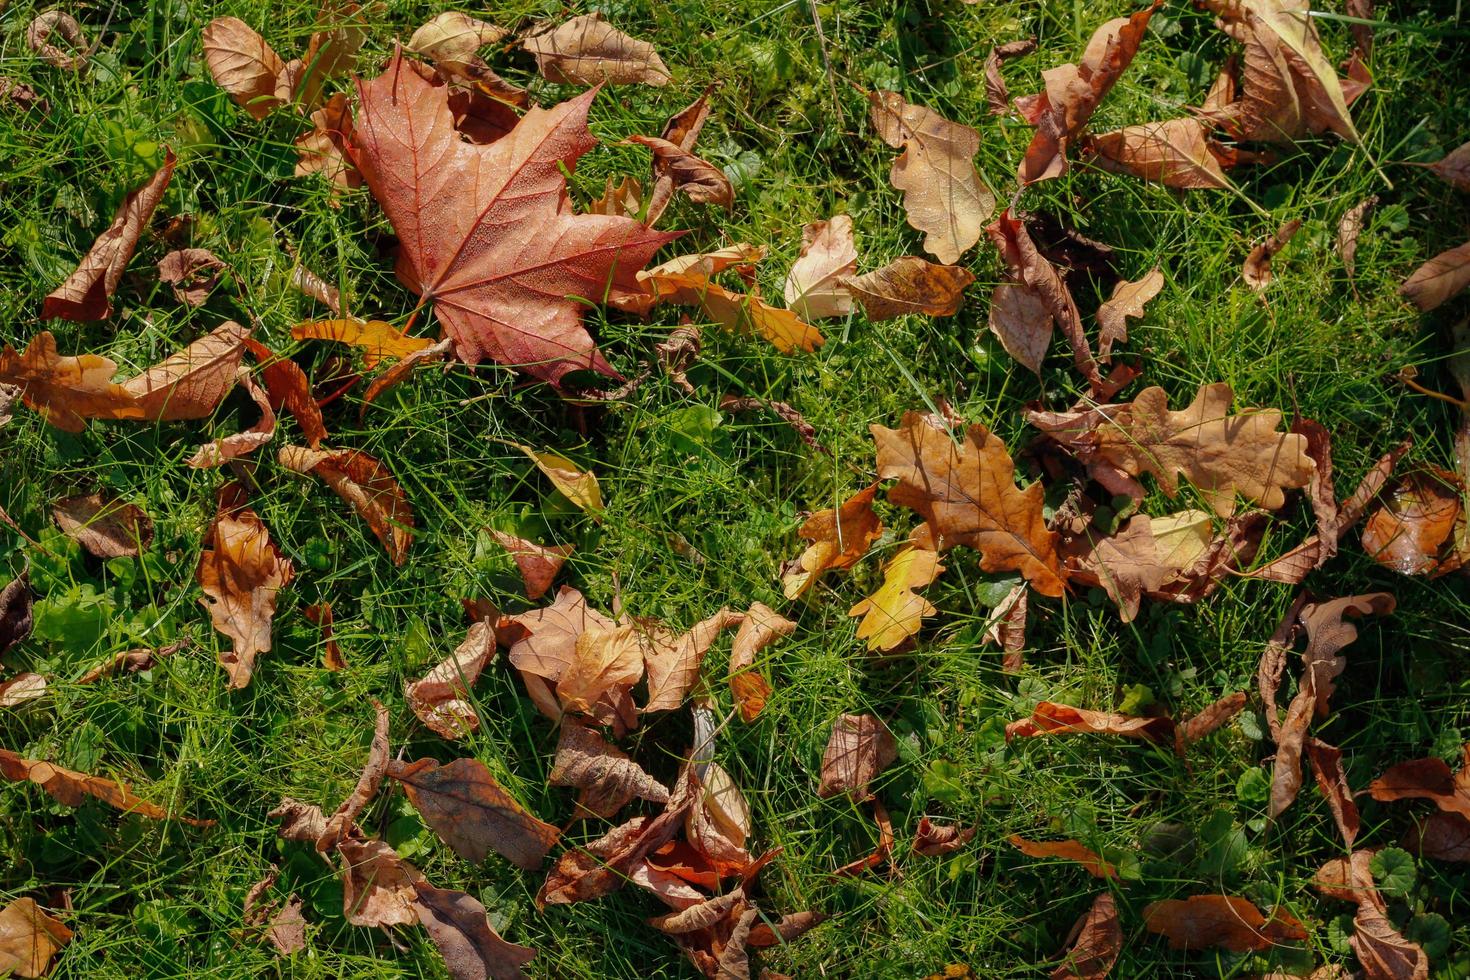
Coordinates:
(1175, 153)
(1050, 718)
(762, 627)
(321, 614)
(71, 788)
(192, 272)
(933, 839)
(1096, 944)
(839, 538)
(607, 777)
(453, 36)
(61, 24)
(1257, 270)
(1128, 300)
(190, 384)
(440, 698)
(131, 661)
(221, 451)
(1220, 920)
(1027, 269)
(241, 573)
(815, 286)
(472, 813)
(1067, 850)
(106, 528)
(242, 64)
(29, 938)
(364, 483)
(699, 180)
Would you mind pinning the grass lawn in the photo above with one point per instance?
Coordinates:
(703, 506)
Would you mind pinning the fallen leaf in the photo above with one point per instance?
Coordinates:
(910, 285)
(840, 536)
(378, 340)
(701, 916)
(607, 777)
(22, 96)
(1349, 227)
(342, 820)
(29, 938)
(313, 286)
(859, 748)
(587, 50)
(1049, 718)
(221, 451)
(1067, 850)
(106, 528)
(1147, 556)
(66, 390)
(1441, 837)
(895, 612)
(624, 199)
(1071, 94)
(131, 661)
(287, 387)
(577, 485)
(71, 788)
(538, 564)
(718, 824)
(1332, 781)
(1427, 779)
(934, 840)
(882, 853)
(673, 662)
(816, 286)
(330, 52)
(58, 22)
(364, 483)
(241, 573)
(1006, 627)
(20, 689)
(1021, 322)
(682, 131)
(699, 180)
(997, 96)
(87, 292)
(192, 272)
(548, 644)
(400, 370)
(943, 195)
(460, 929)
(242, 64)
(321, 614)
(377, 884)
(1257, 270)
(439, 698)
(790, 928)
(324, 150)
(1128, 300)
(1454, 168)
(1382, 950)
(190, 384)
(1096, 944)
(453, 36)
(1348, 879)
(1415, 531)
(287, 929)
(1208, 721)
(1028, 269)
(471, 813)
(470, 244)
(966, 495)
(1175, 153)
(761, 627)
(603, 662)
(1220, 920)
(1439, 279)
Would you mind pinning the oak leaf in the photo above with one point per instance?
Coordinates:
(859, 748)
(242, 64)
(1207, 721)
(895, 612)
(1068, 850)
(461, 931)
(1144, 557)
(1220, 920)
(1096, 944)
(587, 50)
(241, 573)
(910, 285)
(997, 96)
(472, 813)
(1175, 153)
(1257, 269)
(29, 938)
(192, 272)
(1050, 718)
(943, 195)
(538, 564)
(488, 233)
(966, 495)
(1439, 279)
(71, 788)
(839, 537)
(607, 777)
(815, 286)
(1128, 300)
(762, 627)
(364, 483)
(440, 697)
(1020, 332)
(66, 390)
(87, 293)
(106, 528)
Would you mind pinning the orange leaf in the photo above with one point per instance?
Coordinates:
(71, 788)
(321, 614)
(364, 483)
(538, 564)
(66, 390)
(933, 839)
(1067, 850)
(241, 573)
(1097, 944)
(378, 340)
(1061, 719)
(910, 285)
(1220, 920)
(1427, 779)
(839, 536)
(29, 938)
(762, 627)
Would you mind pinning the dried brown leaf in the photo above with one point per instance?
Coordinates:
(1175, 153)
(791, 927)
(698, 179)
(378, 885)
(1050, 718)
(131, 661)
(1441, 837)
(453, 36)
(1349, 227)
(1067, 850)
(1028, 269)
(1415, 532)
(20, 689)
(192, 272)
(71, 788)
(1128, 300)
(1257, 269)
(1382, 950)
(324, 150)
(471, 813)
(190, 384)
(340, 824)
(933, 839)
(242, 64)
(287, 387)
(241, 573)
(221, 451)
(1439, 279)
(1097, 944)
(817, 287)
(29, 938)
(538, 564)
(997, 96)
(673, 662)
(761, 627)
(364, 483)
(1427, 779)
(61, 24)
(321, 614)
(909, 285)
(461, 931)
(66, 390)
(607, 777)
(859, 748)
(1220, 920)
(440, 697)
(587, 50)
(840, 537)
(1208, 721)
(106, 528)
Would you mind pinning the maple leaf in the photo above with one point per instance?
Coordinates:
(364, 483)
(29, 938)
(943, 195)
(488, 233)
(895, 612)
(1220, 920)
(1097, 944)
(967, 496)
(105, 527)
(587, 50)
(814, 286)
(840, 536)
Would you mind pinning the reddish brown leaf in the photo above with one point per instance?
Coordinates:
(87, 292)
(191, 383)
(1257, 270)
(1067, 850)
(131, 661)
(241, 573)
(673, 662)
(1348, 879)
(192, 272)
(1455, 167)
(40, 31)
(607, 778)
(1441, 837)
(1427, 779)
(1128, 300)
(682, 130)
(1209, 720)
(840, 537)
(1175, 153)
(242, 64)
(1332, 781)
(71, 788)
(699, 180)
(1161, 557)
(1349, 227)
(287, 387)
(106, 528)
(1418, 528)
(718, 824)
(340, 824)
(538, 564)
(1382, 950)
(701, 916)
(1049, 718)
(933, 840)
(997, 96)
(1220, 920)
(461, 931)
(377, 884)
(364, 483)
(29, 938)
(66, 390)
(500, 256)
(548, 644)
(587, 50)
(859, 748)
(762, 627)
(910, 285)
(440, 697)
(1030, 271)
(1097, 943)
(323, 149)
(321, 614)
(881, 853)
(16, 603)
(234, 446)
(791, 927)
(471, 813)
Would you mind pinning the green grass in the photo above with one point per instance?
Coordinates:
(702, 508)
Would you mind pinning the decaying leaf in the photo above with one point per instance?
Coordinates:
(881, 853)
(943, 195)
(453, 36)
(1097, 942)
(859, 748)
(910, 285)
(1427, 779)
(934, 839)
(377, 884)
(604, 664)
(502, 256)
(321, 614)
(587, 50)
(1441, 837)
(241, 573)
(1419, 528)
(761, 627)
(29, 938)
(131, 661)
(190, 384)
(192, 272)
(243, 64)
(471, 813)
(698, 179)
(1024, 336)
(1349, 227)
(1147, 556)
(1257, 269)
(364, 483)
(342, 820)
(815, 286)
(71, 788)
(221, 451)
(673, 662)
(1068, 850)
(106, 528)
(58, 23)
(1208, 721)
(625, 198)
(1439, 279)
(461, 931)
(1225, 921)
(20, 689)
(997, 96)
(440, 698)
(87, 292)
(1071, 94)
(1049, 718)
(681, 131)
(966, 495)
(718, 824)
(1382, 950)
(538, 563)
(839, 537)
(1175, 153)
(788, 929)
(1128, 300)
(16, 604)
(895, 612)
(323, 149)
(607, 778)
(288, 387)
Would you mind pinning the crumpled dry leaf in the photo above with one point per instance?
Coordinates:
(1419, 529)
(1097, 942)
(934, 839)
(1023, 335)
(943, 195)
(287, 387)
(106, 528)
(1382, 950)
(472, 813)
(607, 777)
(538, 564)
(1225, 921)
(701, 916)
(1050, 718)
(1071, 94)
(547, 644)
(1068, 850)
(1175, 153)
(762, 627)
(16, 603)
(625, 199)
(673, 662)
(1437, 280)
(1128, 300)
(895, 612)
(439, 698)
(190, 384)
(1348, 879)
(66, 390)
(64, 25)
(87, 293)
(20, 689)
(816, 286)
(192, 272)
(718, 824)
(859, 748)
(241, 573)
(682, 130)
(1427, 779)
(377, 884)
(966, 495)
(698, 179)
(1257, 269)
(131, 661)
(323, 149)
(997, 96)
(790, 927)
(910, 284)
(29, 938)
(1207, 721)
(881, 853)
(604, 661)
(461, 931)
(840, 537)
(1144, 557)
(71, 788)
(221, 451)
(587, 50)
(242, 64)
(364, 483)
(340, 824)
